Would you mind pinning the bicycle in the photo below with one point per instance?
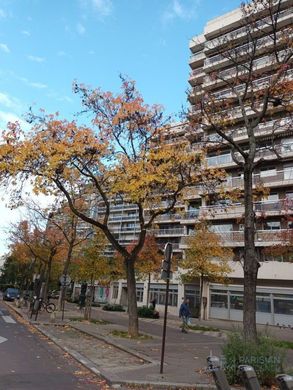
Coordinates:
(50, 307)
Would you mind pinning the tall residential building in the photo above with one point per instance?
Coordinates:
(274, 213)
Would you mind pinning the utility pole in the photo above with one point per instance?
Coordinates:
(165, 275)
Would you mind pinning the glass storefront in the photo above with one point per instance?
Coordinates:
(273, 306)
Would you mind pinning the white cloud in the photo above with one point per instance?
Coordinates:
(101, 7)
(32, 83)
(9, 101)
(25, 32)
(36, 58)
(80, 29)
(4, 48)
(182, 10)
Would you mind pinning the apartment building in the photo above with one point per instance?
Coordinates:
(274, 213)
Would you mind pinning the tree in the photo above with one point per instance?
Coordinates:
(149, 260)
(205, 259)
(73, 231)
(258, 103)
(92, 265)
(124, 146)
(43, 245)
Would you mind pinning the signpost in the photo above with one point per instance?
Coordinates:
(65, 281)
(165, 275)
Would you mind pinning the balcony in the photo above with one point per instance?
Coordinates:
(269, 208)
(190, 216)
(234, 239)
(197, 59)
(168, 232)
(195, 76)
(280, 178)
(263, 44)
(284, 17)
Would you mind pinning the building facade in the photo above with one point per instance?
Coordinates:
(274, 213)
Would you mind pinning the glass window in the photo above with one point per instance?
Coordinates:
(236, 302)
(160, 294)
(139, 294)
(219, 300)
(263, 305)
(272, 225)
(283, 306)
(115, 289)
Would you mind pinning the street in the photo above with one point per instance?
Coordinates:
(31, 361)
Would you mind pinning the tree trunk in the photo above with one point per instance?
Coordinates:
(200, 296)
(47, 281)
(65, 272)
(148, 290)
(251, 263)
(131, 295)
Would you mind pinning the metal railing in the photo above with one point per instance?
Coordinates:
(223, 39)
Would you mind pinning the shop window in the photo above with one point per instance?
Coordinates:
(283, 306)
(236, 302)
(160, 294)
(219, 300)
(263, 304)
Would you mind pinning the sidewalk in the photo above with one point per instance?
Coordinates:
(127, 361)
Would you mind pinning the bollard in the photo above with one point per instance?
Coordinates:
(285, 382)
(218, 373)
(249, 377)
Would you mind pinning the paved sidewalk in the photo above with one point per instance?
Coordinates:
(128, 361)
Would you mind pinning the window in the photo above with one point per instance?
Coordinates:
(115, 289)
(263, 304)
(159, 292)
(236, 301)
(139, 294)
(268, 172)
(227, 227)
(219, 300)
(283, 306)
(272, 225)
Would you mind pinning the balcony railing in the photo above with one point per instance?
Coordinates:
(236, 210)
(223, 39)
(285, 176)
(243, 49)
(168, 232)
(236, 238)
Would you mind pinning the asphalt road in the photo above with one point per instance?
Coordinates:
(29, 360)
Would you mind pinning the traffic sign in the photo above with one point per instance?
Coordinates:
(65, 280)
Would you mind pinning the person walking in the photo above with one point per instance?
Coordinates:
(184, 314)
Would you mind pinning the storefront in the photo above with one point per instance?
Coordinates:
(274, 306)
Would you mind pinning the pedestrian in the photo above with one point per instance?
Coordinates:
(184, 314)
(154, 302)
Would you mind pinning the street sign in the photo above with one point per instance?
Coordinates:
(65, 280)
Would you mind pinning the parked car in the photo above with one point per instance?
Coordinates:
(10, 294)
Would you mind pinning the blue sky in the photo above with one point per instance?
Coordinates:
(45, 45)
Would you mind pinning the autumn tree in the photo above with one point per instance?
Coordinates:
(149, 260)
(43, 244)
(205, 259)
(73, 231)
(122, 158)
(93, 266)
(254, 89)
